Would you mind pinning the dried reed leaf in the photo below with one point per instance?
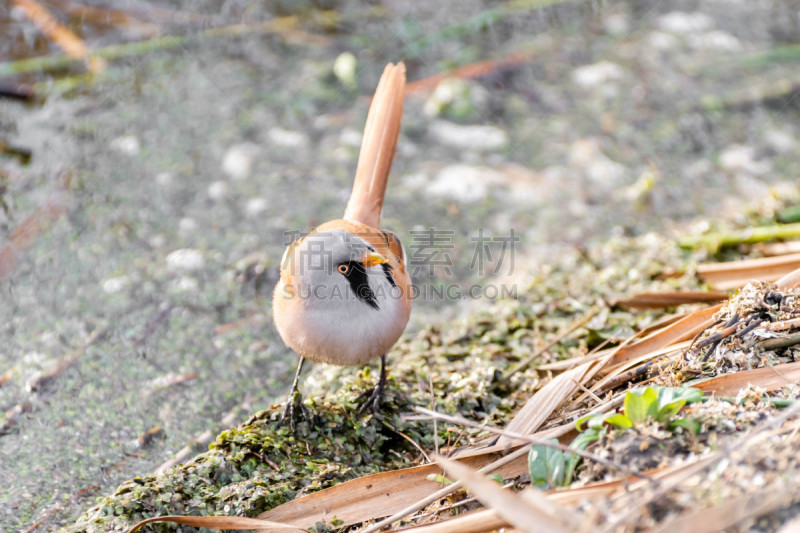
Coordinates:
(771, 249)
(734, 274)
(728, 513)
(475, 522)
(660, 300)
(680, 331)
(470, 71)
(221, 522)
(612, 379)
(790, 280)
(521, 512)
(377, 495)
(768, 377)
(549, 398)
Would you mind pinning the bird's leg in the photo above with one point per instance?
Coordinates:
(375, 394)
(294, 402)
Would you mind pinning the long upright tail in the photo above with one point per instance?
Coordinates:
(377, 148)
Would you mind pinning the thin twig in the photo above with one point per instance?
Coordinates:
(409, 439)
(433, 408)
(778, 342)
(525, 363)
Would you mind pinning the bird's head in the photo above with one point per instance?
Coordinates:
(337, 269)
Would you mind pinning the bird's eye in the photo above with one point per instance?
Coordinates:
(344, 268)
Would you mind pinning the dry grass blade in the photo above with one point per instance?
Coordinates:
(221, 522)
(399, 493)
(633, 370)
(582, 321)
(517, 438)
(471, 71)
(534, 512)
(475, 522)
(515, 462)
(680, 331)
(661, 300)
(489, 520)
(728, 513)
(768, 378)
(549, 398)
(734, 274)
(790, 280)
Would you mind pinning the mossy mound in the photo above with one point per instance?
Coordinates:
(260, 464)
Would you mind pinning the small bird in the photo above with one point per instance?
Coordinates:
(344, 296)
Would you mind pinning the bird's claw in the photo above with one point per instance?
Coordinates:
(371, 399)
(295, 408)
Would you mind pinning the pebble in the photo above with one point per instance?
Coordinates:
(779, 141)
(618, 24)
(350, 137)
(740, 157)
(218, 190)
(287, 138)
(187, 226)
(255, 207)
(658, 40)
(591, 76)
(586, 155)
(237, 163)
(719, 41)
(185, 260)
(468, 137)
(115, 284)
(127, 145)
(344, 68)
(186, 284)
(682, 22)
(463, 183)
(164, 179)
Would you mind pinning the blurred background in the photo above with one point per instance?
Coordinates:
(156, 158)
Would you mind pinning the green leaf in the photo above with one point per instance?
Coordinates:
(581, 442)
(438, 478)
(579, 422)
(672, 399)
(689, 423)
(547, 466)
(619, 421)
(498, 478)
(592, 421)
(641, 403)
(585, 438)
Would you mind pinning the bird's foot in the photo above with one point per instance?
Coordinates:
(371, 398)
(294, 410)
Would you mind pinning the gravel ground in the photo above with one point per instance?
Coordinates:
(147, 226)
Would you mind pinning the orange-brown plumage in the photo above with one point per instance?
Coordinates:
(351, 328)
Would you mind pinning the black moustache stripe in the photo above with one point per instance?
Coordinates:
(359, 284)
(387, 270)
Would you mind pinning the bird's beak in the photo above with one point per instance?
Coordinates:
(373, 258)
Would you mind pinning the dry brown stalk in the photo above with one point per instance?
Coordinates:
(59, 34)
